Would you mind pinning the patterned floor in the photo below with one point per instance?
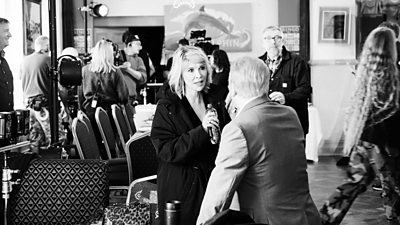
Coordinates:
(367, 209)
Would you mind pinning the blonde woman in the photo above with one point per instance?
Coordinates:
(103, 83)
(179, 132)
(372, 128)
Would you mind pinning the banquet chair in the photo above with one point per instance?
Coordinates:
(84, 137)
(55, 191)
(143, 163)
(88, 149)
(129, 113)
(142, 159)
(121, 124)
(106, 132)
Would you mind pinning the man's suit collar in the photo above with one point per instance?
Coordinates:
(255, 102)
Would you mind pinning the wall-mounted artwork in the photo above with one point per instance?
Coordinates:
(79, 40)
(228, 25)
(291, 38)
(334, 25)
(32, 24)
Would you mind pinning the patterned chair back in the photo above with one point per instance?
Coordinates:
(61, 192)
(142, 156)
(143, 166)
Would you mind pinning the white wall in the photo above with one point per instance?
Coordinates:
(12, 11)
(264, 13)
(331, 75)
(332, 80)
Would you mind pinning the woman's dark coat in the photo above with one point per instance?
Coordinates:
(185, 153)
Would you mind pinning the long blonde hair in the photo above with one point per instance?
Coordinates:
(376, 96)
(102, 58)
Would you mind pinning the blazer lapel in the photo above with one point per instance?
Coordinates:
(255, 102)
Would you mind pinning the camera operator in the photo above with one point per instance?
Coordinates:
(203, 42)
(36, 82)
(133, 69)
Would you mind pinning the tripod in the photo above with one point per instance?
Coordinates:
(7, 185)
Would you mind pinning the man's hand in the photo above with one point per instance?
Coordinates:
(125, 65)
(277, 97)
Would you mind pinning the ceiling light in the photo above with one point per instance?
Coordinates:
(99, 10)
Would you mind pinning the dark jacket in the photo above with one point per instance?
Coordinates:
(185, 153)
(6, 86)
(292, 78)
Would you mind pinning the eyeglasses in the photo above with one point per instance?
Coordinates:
(276, 37)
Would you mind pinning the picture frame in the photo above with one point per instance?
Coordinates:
(32, 24)
(334, 25)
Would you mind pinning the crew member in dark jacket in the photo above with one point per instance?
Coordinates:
(179, 133)
(290, 76)
(6, 77)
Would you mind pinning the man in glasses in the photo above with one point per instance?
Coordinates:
(290, 76)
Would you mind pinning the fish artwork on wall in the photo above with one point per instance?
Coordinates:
(223, 23)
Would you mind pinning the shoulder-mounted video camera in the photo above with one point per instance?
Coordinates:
(203, 42)
(70, 70)
(119, 54)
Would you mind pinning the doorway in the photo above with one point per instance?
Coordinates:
(152, 38)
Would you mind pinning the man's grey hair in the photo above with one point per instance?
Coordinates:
(249, 77)
(272, 28)
(40, 43)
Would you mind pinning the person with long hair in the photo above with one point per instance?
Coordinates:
(221, 67)
(371, 129)
(103, 84)
(180, 132)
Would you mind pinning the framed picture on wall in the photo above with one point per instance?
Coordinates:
(32, 22)
(334, 24)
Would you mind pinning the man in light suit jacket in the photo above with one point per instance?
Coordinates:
(261, 156)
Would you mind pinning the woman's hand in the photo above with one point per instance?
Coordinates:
(210, 120)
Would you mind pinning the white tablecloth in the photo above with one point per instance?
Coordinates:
(144, 117)
(314, 136)
(145, 113)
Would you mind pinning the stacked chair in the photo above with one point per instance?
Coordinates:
(86, 143)
(128, 114)
(106, 132)
(121, 124)
(141, 162)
